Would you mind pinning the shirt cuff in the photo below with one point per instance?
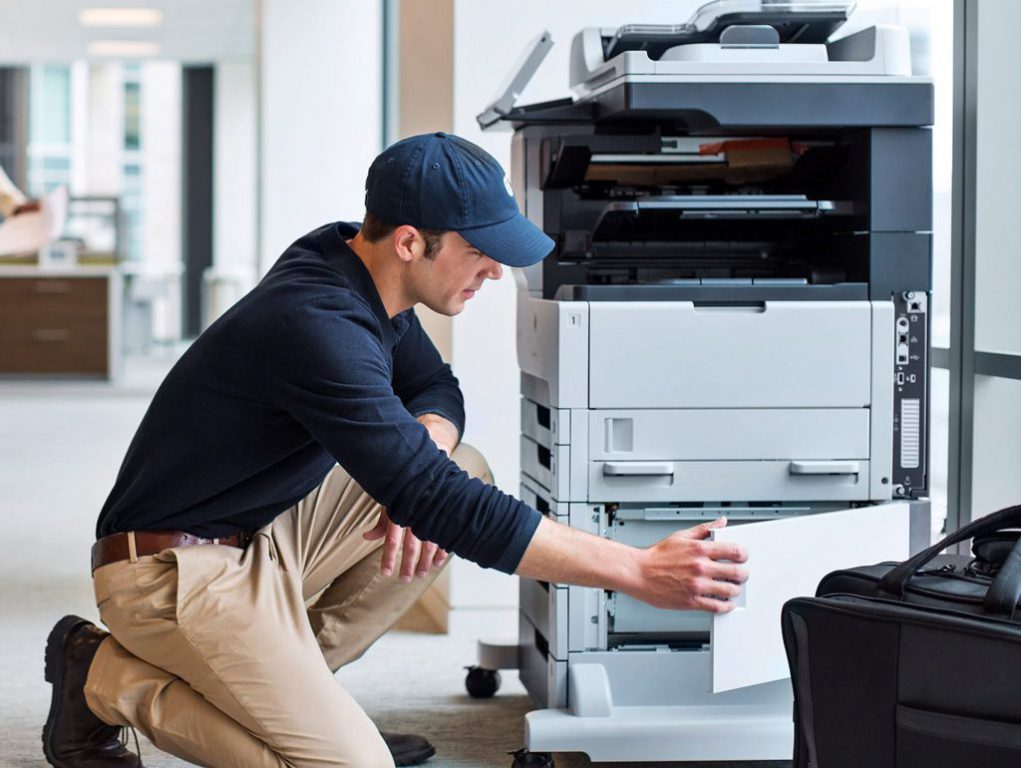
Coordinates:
(528, 522)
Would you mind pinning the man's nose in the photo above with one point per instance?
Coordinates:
(495, 271)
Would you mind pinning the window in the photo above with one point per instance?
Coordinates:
(49, 128)
(132, 193)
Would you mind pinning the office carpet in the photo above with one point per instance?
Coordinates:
(60, 447)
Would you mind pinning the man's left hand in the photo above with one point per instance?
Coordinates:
(443, 432)
(417, 556)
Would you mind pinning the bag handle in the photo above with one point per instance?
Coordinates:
(1005, 591)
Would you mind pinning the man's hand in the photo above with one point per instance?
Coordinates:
(688, 571)
(442, 431)
(417, 556)
(683, 571)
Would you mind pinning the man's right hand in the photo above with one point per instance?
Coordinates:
(688, 571)
(685, 571)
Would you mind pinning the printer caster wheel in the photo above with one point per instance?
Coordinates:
(525, 759)
(481, 683)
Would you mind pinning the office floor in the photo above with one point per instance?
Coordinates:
(60, 446)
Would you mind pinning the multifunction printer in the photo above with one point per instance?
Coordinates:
(734, 322)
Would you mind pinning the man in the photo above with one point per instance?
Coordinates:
(243, 554)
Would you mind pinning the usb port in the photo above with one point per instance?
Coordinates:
(902, 354)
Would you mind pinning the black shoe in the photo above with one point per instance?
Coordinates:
(74, 737)
(407, 748)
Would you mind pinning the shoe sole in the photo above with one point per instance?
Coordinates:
(415, 758)
(56, 645)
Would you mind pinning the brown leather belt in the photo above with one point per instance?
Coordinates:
(117, 546)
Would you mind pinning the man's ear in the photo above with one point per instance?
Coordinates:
(408, 243)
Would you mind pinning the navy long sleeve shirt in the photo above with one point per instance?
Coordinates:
(305, 371)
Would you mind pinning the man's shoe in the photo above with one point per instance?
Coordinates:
(407, 748)
(74, 737)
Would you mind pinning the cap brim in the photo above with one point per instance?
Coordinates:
(516, 241)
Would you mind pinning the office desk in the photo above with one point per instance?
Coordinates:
(60, 322)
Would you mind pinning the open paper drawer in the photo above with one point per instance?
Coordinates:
(778, 354)
(788, 558)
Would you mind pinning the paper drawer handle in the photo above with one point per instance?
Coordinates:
(634, 469)
(59, 287)
(51, 334)
(825, 468)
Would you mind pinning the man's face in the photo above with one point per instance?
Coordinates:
(452, 275)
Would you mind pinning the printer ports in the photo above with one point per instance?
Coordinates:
(903, 341)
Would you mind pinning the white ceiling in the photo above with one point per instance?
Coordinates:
(192, 30)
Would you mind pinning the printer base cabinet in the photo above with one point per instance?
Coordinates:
(620, 682)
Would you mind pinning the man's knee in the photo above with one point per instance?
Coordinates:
(468, 458)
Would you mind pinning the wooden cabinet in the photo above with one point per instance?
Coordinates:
(58, 324)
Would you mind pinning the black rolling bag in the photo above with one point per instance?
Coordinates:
(914, 664)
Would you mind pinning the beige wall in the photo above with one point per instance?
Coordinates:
(425, 98)
(424, 103)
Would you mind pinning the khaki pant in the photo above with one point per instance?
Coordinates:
(216, 657)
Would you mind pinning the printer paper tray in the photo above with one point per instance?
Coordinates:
(694, 481)
(787, 557)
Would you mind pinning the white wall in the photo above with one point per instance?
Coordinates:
(161, 190)
(161, 161)
(484, 352)
(235, 150)
(320, 107)
(103, 168)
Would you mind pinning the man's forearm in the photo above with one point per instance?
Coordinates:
(565, 555)
(442, 430)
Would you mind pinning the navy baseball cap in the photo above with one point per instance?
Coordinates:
(440, 181)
